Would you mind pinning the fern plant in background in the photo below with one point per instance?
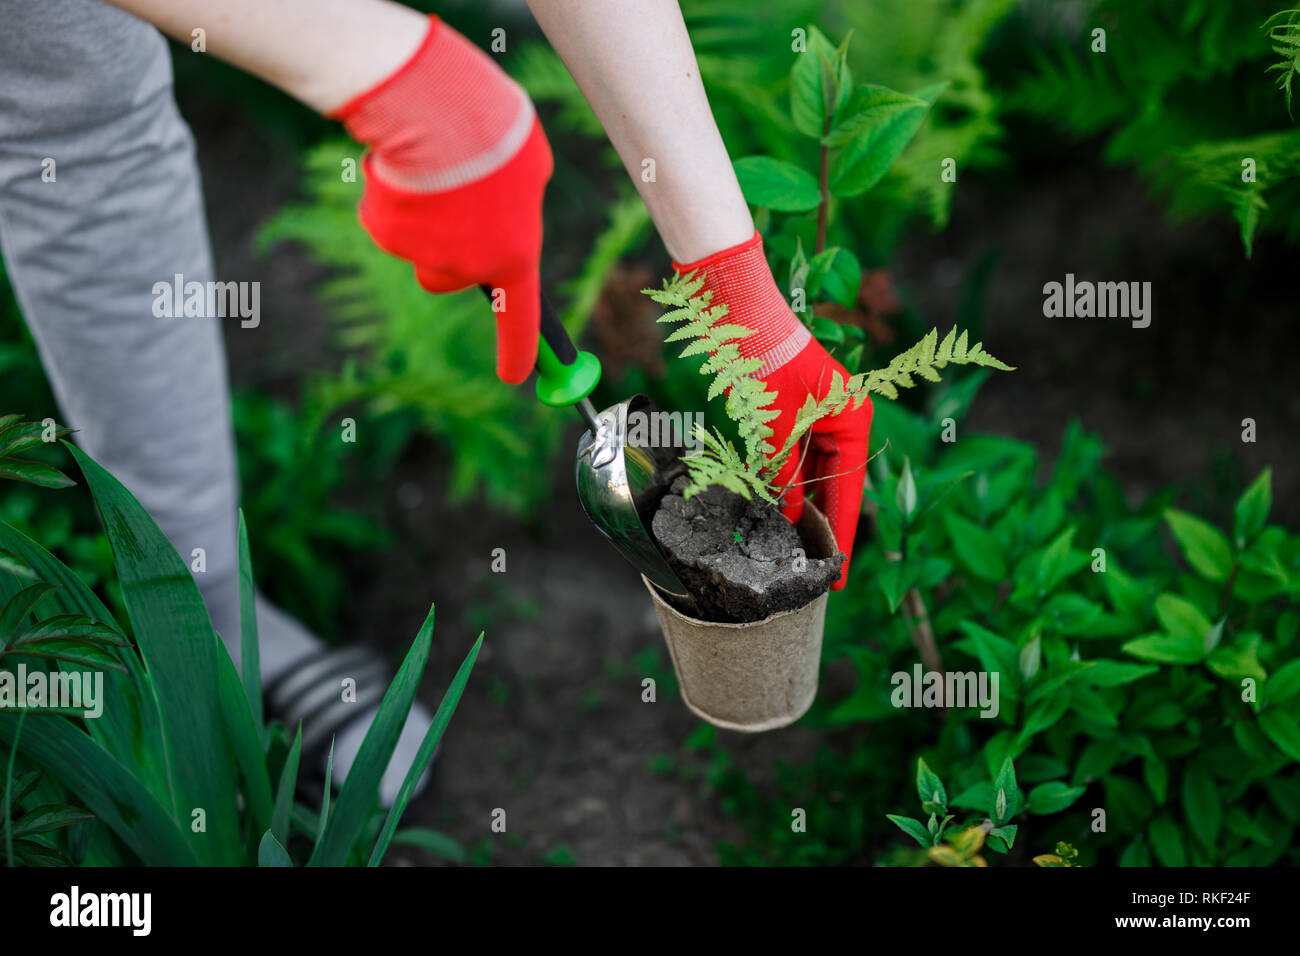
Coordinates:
(428, 354)
(1284, 32)
(1183, 93)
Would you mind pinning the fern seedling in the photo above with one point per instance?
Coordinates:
(749, 400)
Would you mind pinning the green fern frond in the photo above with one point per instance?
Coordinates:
(748, 402)
(1284, 33)
(701, 325)
(718, 463)
(923, 359)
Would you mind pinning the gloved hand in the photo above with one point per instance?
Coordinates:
(454, 180)
(794, 366)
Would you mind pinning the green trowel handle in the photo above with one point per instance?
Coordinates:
(565, 376)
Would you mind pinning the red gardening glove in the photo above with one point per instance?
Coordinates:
(454, 177)
(794, 366)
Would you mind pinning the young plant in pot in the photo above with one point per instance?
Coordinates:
(747, 652)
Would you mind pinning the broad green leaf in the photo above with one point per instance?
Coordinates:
(1251, 510)
(1238, 661)
(979, 796)
(106, 787)
(53, 816)
(441, 718)
(1156, 773)
(813, 68)
(1003, 838)
(1046, 713)
(34, 473)
(1264, 556)
(284, 793)
(270, 852)
(1240, 824)
(1037, 768)
(866, 108)
(362, 784)
(1127, 596)
(1053, 797)
(1054, 566)
(10, 564)
(1201, 805)
(976, 548)
(996, 654)
(776, 184)
(1202, 544)
(1136, 854)
(1105, 673)
(1284, 684)
(1167, 841)
(18, 607)
(246, 741)
(912, 828)
(835, 274)
(827, 331)
(1095, 762)
(1166, 649)
(895, 579)
(329, 791)
(1005, 784)
(928, 784)
(130, 727)
(179, 647)
(866, 159)
(1181, 618)
(1280, 727)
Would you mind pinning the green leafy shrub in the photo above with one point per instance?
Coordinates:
(1159, 686)
(1167, 688)
(178, 767)
(949, 844)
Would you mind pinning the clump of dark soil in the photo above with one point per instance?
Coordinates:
(741, 560)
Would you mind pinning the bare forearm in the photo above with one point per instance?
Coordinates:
(322, 52)
(634, 63)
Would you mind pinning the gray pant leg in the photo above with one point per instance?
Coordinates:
(90, 87)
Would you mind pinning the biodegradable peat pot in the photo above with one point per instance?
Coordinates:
(756, 676)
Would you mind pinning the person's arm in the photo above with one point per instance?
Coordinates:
(454, 177)
(634, 63)
(322, 52)
(457, 161)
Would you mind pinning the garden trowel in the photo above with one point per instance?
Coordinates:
(620, 480)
